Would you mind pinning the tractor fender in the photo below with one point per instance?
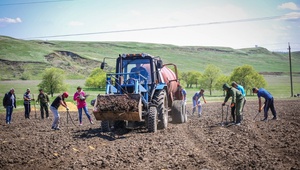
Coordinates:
(161, 86)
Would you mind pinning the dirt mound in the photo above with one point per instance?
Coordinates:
(71, 106)
(71, 62)
(18, 69)
(202, 143)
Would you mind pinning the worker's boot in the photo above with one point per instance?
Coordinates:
(238, 120)
(233, 117)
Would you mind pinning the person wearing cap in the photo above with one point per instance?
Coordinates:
(27, 99)
(80, 97)
(197, 102)
(269, 102)
(138, 69)
(43, 99)
(237, 100)
(9, 103)
(242, 90)
(59, 100)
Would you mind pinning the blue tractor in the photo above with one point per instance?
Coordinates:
(142, 90)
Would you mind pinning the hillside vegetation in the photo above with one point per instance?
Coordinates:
(23, 59)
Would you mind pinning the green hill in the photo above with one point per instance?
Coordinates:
(22, 59)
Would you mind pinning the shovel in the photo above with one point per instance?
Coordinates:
(259, 112)
(68, 115)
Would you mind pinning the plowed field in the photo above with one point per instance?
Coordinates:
(201, 143)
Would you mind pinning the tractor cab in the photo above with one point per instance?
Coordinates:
(135, 70)
(134, 75)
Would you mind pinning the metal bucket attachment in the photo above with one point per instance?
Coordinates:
(118, 107)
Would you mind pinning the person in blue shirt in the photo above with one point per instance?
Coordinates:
(139, 70)
(241, 89)
(197, 102)
(269, 102)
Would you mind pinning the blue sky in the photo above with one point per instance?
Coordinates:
(228, 23)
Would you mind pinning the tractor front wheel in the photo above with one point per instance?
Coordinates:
(152, 119)
(105, 126)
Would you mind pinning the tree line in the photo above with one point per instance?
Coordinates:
(213, 79)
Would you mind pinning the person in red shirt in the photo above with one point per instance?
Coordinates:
(80, 97)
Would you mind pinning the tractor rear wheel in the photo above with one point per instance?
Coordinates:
(178, 111)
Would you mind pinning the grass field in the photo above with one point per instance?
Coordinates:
(187, 58)
(279, 86)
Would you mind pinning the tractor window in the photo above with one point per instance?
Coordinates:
(141, 67)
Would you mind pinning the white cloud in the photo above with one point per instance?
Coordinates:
(289, 5)
(75, 23)
(291, 16)
(10, 20)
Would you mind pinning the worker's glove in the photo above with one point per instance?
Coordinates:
(232, 105)
(259, 110)
(67, 109)
(223, 104)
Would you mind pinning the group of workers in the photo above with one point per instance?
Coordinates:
(238, 101)
(236, 92)
(9, 102)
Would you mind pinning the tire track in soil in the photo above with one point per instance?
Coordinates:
(210, 126)
(263, 150)
(195, 137)
(197, 158)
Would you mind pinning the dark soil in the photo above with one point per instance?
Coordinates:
(201, 143)
(112, 103)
